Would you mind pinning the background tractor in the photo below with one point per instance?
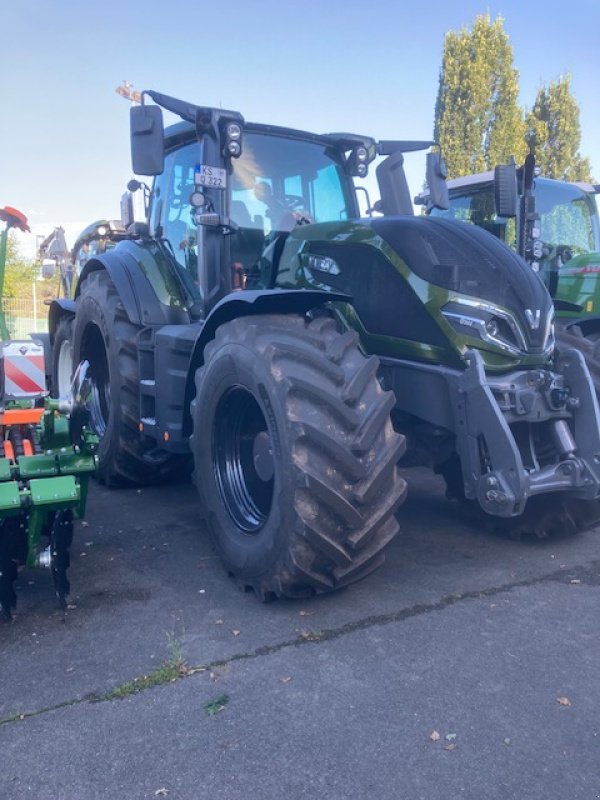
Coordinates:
(294, 349)
(555, 227)
(46, 459)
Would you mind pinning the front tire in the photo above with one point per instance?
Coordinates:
(588, 346)
(295, 455)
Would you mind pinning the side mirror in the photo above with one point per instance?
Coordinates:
(147, 140)
(506, 198)
(435, 172)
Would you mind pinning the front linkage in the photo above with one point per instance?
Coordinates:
(45, 467)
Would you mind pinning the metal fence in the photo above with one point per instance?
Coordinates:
(25, 315)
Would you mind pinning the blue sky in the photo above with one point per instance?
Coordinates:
(368, 67)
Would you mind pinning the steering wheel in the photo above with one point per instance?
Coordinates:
(293, 201)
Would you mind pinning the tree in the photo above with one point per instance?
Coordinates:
(19, 272)
(554, 132)
(478, 121)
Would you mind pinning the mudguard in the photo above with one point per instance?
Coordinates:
(252, 302)
(62, 307)
(145, 281)
(587, 325)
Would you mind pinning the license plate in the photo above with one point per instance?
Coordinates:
(212, 177)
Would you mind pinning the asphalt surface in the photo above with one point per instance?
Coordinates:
(467, 667)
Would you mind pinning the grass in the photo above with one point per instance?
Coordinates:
(216, 705)
(172, 669)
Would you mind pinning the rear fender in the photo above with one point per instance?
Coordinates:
(251, 302)
(144, 278)
(59, 308)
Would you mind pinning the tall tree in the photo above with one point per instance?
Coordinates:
(554, 132)
(19, 272)
(478, 121)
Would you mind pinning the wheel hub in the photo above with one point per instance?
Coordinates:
(243, 462)
(263, 457)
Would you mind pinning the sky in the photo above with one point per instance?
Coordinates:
(329, 65)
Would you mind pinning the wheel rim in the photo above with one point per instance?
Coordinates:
(94, 351)
(64, 368)
(242, 458)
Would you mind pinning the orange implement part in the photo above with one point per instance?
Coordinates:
(21, 416)
(27, 448)
(8, 450)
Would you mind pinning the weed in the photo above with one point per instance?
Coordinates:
(169, 671)
(216, 705)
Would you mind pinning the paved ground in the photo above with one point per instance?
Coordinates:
(492, 644)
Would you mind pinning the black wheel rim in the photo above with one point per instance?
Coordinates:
(242, 458)
(94, 351)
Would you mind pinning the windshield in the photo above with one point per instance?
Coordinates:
(477, 207)
(279, 183)
(568, 215)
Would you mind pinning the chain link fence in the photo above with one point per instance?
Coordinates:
(25, 315)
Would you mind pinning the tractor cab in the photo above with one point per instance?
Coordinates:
(227, 192)
(278, 181)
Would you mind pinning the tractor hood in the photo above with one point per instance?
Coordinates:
(428, 288)
(477, 265)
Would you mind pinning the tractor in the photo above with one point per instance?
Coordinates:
(46, 458)
(298, 354)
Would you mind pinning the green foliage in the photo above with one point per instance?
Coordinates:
(555, 133)
(217, 705)
(19, 271)
(478, 121)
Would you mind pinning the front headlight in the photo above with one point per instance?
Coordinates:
(491, 325)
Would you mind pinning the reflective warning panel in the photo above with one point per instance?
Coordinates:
(23, 369)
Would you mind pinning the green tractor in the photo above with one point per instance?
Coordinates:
(46, 458)
(300, 353)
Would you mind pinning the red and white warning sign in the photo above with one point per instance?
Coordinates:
(23, 367)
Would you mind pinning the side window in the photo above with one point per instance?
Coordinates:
(176, 188)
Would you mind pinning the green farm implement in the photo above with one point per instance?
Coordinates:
(46, 460)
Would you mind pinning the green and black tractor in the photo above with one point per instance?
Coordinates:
(297, 354)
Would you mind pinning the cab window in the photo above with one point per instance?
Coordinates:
(179, 230)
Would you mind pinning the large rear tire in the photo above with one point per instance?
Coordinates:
(295, 455)
(103, 335)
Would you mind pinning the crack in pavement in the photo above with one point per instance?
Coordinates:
(588, 574)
